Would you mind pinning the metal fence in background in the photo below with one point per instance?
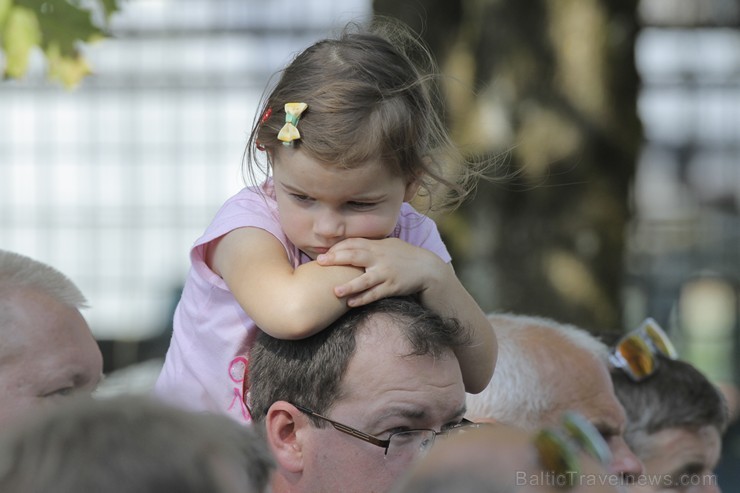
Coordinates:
(684, 241)
(112, 182)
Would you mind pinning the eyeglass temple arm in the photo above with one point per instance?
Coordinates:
(360, 435)
(346, 429)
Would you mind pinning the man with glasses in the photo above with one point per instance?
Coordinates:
(352, 407)
(546, 368)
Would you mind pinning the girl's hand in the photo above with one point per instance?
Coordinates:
(393, 267)
(396, 268)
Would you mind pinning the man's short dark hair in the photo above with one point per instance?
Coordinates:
(677, 395)
(309, 371)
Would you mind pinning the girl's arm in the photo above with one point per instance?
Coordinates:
(286, 303)
(448, 297)
(394, 267)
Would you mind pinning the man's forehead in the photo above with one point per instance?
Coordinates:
(589, 391)
(381, 379)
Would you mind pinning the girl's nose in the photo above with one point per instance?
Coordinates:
(329, 224)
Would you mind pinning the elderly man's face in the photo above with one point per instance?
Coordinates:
(47, 354)
(383, 391)
(584, 385)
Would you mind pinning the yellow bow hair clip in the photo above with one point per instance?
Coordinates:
(289, 132)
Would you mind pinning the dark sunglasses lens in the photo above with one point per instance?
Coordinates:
(637, 354)
(660, 339)
(556, 456)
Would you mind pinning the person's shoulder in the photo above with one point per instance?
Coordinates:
(411, 219)
(420, 230)
(263, 193)
(250, 199)
(249, 207)
(409, 212)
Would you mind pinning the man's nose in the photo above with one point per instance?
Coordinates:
(624, 461)
(329, 224)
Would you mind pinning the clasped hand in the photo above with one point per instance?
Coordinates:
(392, 267)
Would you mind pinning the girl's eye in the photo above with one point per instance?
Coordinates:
(361, 205)
(300, 198)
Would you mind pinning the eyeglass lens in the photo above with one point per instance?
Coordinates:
(638, 356)
(556, 455)
(557, 447)
(409, 445)
(659, 339)
(587, 437)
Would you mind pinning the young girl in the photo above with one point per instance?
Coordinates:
(349, 135)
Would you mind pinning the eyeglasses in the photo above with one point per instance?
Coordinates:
(635, 352)
(558, 448)
(400, 445)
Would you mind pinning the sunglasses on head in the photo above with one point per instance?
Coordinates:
(635, 352)
(559, 448)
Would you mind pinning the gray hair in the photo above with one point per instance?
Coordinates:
(310, 371)
(18, 272)
(131, 445)
(677, 395)
(520, 392)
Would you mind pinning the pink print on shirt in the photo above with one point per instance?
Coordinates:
(238, 375)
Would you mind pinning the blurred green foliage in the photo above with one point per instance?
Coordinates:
(57, 28)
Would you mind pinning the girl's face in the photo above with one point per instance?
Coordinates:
(321, 205)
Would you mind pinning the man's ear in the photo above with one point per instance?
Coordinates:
(283, 426)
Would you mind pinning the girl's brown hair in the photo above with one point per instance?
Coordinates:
(372, 94)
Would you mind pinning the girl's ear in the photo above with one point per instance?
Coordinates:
(412, 188)
(284, 425)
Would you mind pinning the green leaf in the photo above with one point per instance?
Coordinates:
(69, 70)
(4, 9)
(63, 24)
(58, 27)
(20, 36)
(109, 7)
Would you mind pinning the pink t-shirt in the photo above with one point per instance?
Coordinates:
(204, 369)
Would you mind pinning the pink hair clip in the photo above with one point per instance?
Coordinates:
(265, 116)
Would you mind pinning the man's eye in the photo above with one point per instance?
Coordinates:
(607, 434)
(62, 392)
(452, 426)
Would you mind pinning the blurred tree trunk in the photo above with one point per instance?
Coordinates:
(550, 87)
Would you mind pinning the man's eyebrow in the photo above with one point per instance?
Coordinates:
(405, 412)
(415, 413)
(461, 411)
